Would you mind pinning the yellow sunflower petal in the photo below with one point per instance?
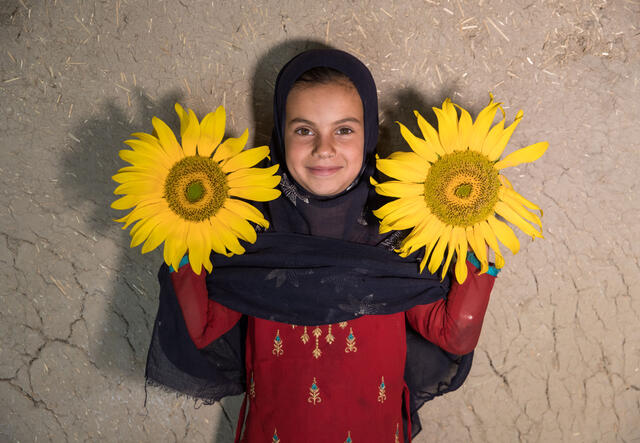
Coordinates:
(131, 176)
(404, 208)
(145, 148)
(207, 232)
(418, 145)
(399, 189)
(505, 234)
(146, 161)
(216, 242)
(480, 248)
(148, 188)
(519, 198)
(519, 208)
(511, 216)
(253, 172)
(524, 155)
(447, 126)
(465, 124)
(394, 205)
(158, 234)
(456, 235)
(498, 148)
(268, 181)
(493, 136)
(245, 159)
(404, 166)
(438, 250)
(189, 129)
(461, 260)
(177, 244)
(406, 218)
(490, 238)
(231, 147)
(197, 246)
(166, 251)
(416, 237)
(481, 125)
(420, 236)
(226, 235)
(429, 134)
(174, 152)
(166, 137)
(244, 209)
(126, 202)
(255, 193)
(144, 210)
(238, 225)
(141, 230)
(211, 131)
(433, 232)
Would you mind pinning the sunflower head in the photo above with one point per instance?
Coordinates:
(192, 195)
(449, 190)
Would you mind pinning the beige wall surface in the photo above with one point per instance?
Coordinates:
(559, 355)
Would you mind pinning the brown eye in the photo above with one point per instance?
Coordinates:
(303, 131)
(345, 131)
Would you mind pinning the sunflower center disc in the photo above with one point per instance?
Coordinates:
(461, 188)
(464, 190)
(195, 191)
(196, 188)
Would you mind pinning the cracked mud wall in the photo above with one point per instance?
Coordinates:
(559, 356)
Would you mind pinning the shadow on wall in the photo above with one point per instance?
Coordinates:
(121, 299)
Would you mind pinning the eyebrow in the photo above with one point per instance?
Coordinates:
(339, 122)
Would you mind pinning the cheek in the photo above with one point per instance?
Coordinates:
(293, 154)
(356, 156)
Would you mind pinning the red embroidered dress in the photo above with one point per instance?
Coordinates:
(333, 383)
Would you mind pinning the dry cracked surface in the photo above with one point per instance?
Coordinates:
(559, 356)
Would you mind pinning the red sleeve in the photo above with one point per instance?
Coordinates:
(206, 320)
(454, 324)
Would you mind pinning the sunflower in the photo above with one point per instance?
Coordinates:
(190, 195)
(449, 189)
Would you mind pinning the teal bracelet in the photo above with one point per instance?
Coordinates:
(183, 262)
(471, 257)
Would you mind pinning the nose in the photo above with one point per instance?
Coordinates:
(324, 148)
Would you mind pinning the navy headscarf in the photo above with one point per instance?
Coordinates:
(344, 215)
(322, 261)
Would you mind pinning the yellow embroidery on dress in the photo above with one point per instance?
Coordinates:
(342, 324)
(317, 332)
(329, 337)
(293, 326)
(277, 344)
(252, 387)
(397, 440)
(382, 392)
(314, 393)
(304, 337)
(275, 439)
(351, 342)
(348, 440)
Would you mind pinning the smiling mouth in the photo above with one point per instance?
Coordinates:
(324, 170)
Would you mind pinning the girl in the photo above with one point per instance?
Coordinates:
(333, 337)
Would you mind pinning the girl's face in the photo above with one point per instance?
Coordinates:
(324, 136)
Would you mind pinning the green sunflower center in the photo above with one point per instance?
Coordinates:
(463, 191)
(195, 191)
(196, 188)
(461, 188)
